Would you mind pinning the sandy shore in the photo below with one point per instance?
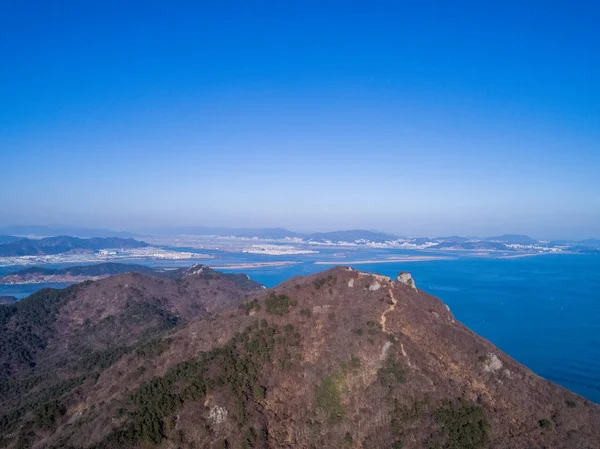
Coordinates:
(394, 260)
(254, 265)
(518, 256)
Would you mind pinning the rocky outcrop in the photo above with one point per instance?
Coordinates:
(405, 278)
(196, 269)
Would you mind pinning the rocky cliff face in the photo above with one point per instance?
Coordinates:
(406, 279)
(339, 359)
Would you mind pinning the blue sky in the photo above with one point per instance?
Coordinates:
(412, 117)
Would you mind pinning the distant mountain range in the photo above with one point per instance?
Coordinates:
(11, 245)
(370, 237)
(260, 233)
(590, 243)
(353, 236)
(513, 239)
(52, 231)
(478, 245)
(8, 239)
(63, 244)
(507, 242)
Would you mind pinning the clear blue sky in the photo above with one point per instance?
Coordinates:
(416, 117)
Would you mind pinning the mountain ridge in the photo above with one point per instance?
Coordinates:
(53, 231)
(8, 239)
(63, 244)
(4, 300)
(341, 358)
(77, 273)
(350, 236)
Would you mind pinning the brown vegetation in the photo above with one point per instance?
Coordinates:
(206, 361)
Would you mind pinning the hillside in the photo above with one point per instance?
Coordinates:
(351, 236)
(121, 310)
(260, 233)
(471, 246)
(339, 359)
(7, 300)
(8, 239)
(514, 239)
(93, 272)
(592, 243)
(78, 273)
(63, 244)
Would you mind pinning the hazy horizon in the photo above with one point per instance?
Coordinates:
(177, 230)
(415, 119)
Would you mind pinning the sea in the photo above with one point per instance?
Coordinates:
(544, 311)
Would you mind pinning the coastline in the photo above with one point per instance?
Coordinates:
(396, 259)
(250, 265)
(518, 256)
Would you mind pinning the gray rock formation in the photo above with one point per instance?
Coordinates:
(405, 278)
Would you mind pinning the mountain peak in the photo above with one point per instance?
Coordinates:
(405, 278)
(195, 269)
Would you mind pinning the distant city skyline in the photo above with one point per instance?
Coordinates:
(412, 118)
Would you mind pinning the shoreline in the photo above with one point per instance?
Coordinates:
(395, 260)
(250, 265)
(518, 256)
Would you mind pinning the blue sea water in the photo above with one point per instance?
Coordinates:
(544, 311)
(21, 291)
